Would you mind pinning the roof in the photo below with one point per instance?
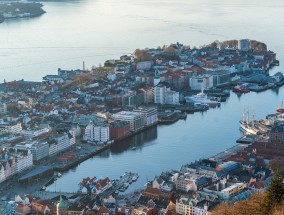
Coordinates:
(37, 171)
(61, 203)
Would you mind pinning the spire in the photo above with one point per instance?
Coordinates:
(157, 74)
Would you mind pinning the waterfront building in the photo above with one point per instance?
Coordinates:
(10, 128)
(135, 120)
(119, 129)
(150, 115)
(98, 132)
(12, 164)
(200, 82)
(164, 95)
(59, 143)
(39, 149)
(276, 134)
(220, 78)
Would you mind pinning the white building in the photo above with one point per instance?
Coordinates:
(99, 133)
(111, 76)
(232, 190)
(188, 206)
(61, 142)
(201, 82)
(39, 150)
(17, 163)
(164, 95)
(10, 128)
(31, 133)
(136, 120)
(150, 115)
(3, 107)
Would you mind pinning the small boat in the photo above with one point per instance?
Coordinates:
(134, 178)
(240, 89)
(280, 109)
(59, 174)
(133, 148)
(43, 188)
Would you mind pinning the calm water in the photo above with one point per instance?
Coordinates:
(167, 147)
(94, 30)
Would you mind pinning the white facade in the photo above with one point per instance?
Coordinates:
(39, 150)
(111, 76)
(60, 143)
(232, 190)
(97, 133)
(17, 164)
(164, 95)
(186, 206)
(30, 134)
(136, 120)
(3, 108)
(201, 82)
(150, 115)
(7, 128)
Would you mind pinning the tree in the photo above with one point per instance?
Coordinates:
(142, 55)
(274, 194)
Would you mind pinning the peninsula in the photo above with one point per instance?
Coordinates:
(19, 10)
(76, 114)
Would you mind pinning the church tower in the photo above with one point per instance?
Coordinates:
(61, 207)
(157, 78)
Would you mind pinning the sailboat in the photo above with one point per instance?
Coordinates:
(280, 109)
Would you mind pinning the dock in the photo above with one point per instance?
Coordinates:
(228, 152)
(126, 178)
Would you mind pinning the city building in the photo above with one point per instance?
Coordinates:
(39, 149)
(12, 164)
(135, 120)
(3, 108)
(10, 128)
(29, 134)
(98, 132)
(59, 143)
(119, 130)
(189, 206)
(149, 114)
(200, 82)
(244, 44)
(276, 134)
(164, 95)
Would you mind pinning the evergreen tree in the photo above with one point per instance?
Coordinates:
(274, 194)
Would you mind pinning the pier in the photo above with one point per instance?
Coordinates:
(126, 178)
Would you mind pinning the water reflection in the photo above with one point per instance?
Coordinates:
(137, 141)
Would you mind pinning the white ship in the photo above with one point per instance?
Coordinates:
(247, 126)
(201, 98)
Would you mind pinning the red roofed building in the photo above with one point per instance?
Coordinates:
(102, 210)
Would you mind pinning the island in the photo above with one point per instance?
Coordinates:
(20, 10)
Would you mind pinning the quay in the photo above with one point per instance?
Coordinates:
(126, 178)
(228, 152)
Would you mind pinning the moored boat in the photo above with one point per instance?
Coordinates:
(240, 89)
